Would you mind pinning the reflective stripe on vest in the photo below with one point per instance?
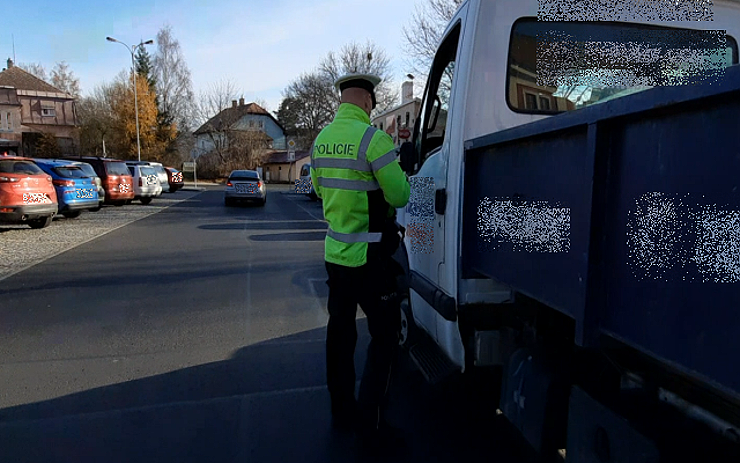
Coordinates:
(351, 238)
(334, 163)
(345, 184)
(384, 160)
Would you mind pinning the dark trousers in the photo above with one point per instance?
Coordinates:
(373, 287)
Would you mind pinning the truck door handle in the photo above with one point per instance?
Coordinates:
(440, 201)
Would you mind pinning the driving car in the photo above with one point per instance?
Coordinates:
(90, 172)
(114, 176)
(76, 192)
(175, 179)
(306, 185)
(245, 185)
(146, 182)
(27, 194)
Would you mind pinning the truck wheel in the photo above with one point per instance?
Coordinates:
(40, 223)
(408, 334)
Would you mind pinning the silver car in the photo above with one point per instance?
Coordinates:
(245, 185)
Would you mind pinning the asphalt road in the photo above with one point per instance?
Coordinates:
(197, 334)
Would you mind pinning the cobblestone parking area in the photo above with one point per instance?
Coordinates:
(22, 247)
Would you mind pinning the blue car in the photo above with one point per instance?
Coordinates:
(76, 191)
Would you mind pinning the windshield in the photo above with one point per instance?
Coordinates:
(70, 172)
(87, 169)
(563, 66)
(116, 168)
(8, 166)
(148, 171)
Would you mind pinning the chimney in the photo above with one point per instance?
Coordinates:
(233, 103)
(10, 63)
(241, 101)
(407, 92)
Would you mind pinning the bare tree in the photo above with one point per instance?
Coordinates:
(308, 105)
(65, 80)
(424, 32)
(174, 82)
(37, 69)
(355, 58)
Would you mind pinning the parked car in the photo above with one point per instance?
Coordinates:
(90, 172)
(146, 182)
(305, 184)
(245, 185)
(175, 179)
(158, 168)
(76, 192)
(27, 194)
(115, 177)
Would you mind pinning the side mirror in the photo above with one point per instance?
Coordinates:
(407, 157)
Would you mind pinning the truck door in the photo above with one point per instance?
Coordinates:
(424, 214)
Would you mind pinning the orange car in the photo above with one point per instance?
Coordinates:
(27, 194)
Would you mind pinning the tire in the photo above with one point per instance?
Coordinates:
(97, 208)
(409, 333)
(40, 223)
(262, 203)
(72, 214)
(146, 200)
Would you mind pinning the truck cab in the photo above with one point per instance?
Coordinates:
(483, 83)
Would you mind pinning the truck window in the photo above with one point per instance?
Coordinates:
(569, 47)
(433, 114)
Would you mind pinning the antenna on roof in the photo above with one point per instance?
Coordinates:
(12, 38)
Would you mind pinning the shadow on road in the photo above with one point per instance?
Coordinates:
(267, 403)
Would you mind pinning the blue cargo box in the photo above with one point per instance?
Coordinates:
(624, 216)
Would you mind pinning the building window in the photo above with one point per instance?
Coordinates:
(544, 103)
(10, 122)
(530, 101)
(262, 124)
(407, 118)
(48, 112)
(381, 126)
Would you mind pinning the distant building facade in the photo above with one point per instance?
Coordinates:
(29, 108)
(401, 117)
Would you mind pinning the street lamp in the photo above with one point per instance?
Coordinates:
(133, 69)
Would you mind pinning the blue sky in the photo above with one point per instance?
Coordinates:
(259, 44)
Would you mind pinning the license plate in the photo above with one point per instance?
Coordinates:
(177, 178)
(151, 180)
(124, 188)
(35, 198)
(84, 193)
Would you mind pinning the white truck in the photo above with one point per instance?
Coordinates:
(578, 239)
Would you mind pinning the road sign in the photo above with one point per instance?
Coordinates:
(291, 145)
(291, 150)
(188, 167)
(404, 133)
(291, 156)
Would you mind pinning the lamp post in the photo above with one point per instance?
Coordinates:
(136, 100)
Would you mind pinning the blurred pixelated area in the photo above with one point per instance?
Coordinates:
(420, 209)
(672, 236)
(531, 226)
(303, 186)
(625, 10)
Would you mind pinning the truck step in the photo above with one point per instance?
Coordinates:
(431, 361)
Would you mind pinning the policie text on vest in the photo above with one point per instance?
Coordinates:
(336, 148)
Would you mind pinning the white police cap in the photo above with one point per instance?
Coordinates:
(364, 81)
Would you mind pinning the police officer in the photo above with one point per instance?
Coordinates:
(355, 172)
